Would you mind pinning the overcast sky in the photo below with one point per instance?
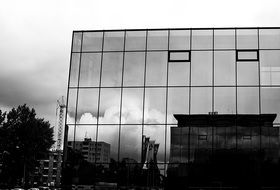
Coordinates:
(35, 36)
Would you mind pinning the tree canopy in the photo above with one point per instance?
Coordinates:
(24, 139)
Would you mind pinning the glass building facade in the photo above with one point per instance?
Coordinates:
(126, 85)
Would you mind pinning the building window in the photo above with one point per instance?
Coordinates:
(202, 137)
(179, 56)
(247, 55)
(247, 137)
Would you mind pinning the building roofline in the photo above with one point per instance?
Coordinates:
(155, 29)
(225, 119)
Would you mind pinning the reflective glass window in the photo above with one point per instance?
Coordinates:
(70, 135)
(248, 100)
(156, 133)
(178, 103)
(171, 144)
(224, 67)
(202, 39)
(85, 131)
(131, 143)
(248, 138)
(201, 68)
(113, 41)
(224, 101)
(109, 108)
(270, 67)
(179, 40)
(178, 144)
(155, 101)
(109, 134)
(270, 102)
(269, 38)
(135, 40)
(247, 55)
(201, 100)
(77, 40)
(225, 137)
(90, 70)
(134, 67)
(247, 39)
(132, 106)
(156, 68)
(92, 41)
(179, 56)
(247, 73)
(74, 70)
(87, 106)
(157, 40)
(178, 74)
(112, 69)
(224, 39)
(204, 138)
(71, 107)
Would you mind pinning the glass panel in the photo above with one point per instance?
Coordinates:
(270, 67)
(248, 100)
(247, 39)
(113, 41)
(156, 68)
(182, 56)
(70, 135)
(131, 143)
(179, 144)
(105, 173)
(77, 40)
(247, 73)
(202, 39)
(134, 67)
(201, 68)
(109, 134)
(112, 69)
(178, 103)
(247, 55)
(269, 38)
(135, 40)
(224, 39)
(74, 70)
(179, 40)
(179, 74)
(71, 107)
(90, 70)
(224, 101)
(172, 145)
(87, 106)
(224, 67)
(248, 137)
(204, 139)
(132, 106)
(156, 133)
(109, 108)
(157, 40)
(201, 100)
(85, 131)
(265, 132)
(270, 102)
(225, 137)
(92, 41)
(155, 102)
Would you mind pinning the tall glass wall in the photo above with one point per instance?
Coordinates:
(124, 85)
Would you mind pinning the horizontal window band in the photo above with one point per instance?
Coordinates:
(173, 86)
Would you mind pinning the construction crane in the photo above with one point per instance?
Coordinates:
(60, 119)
